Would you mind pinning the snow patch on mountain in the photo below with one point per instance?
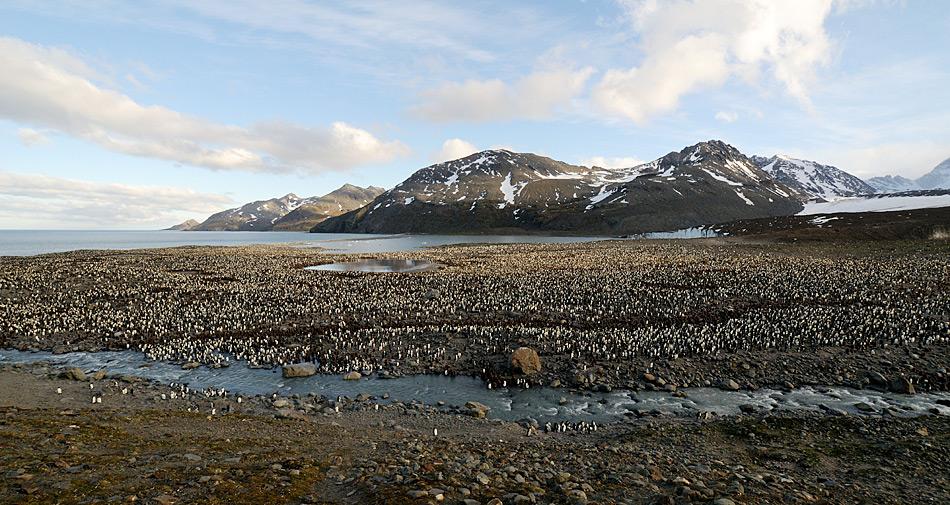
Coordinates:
(817, 181)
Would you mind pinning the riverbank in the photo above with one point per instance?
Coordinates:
(137, 447)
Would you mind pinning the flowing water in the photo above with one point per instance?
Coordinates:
(543, 404)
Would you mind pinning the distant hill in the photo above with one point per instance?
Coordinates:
(185, 226)
(503, 191)
(289, 212)
(938, 178)
(892, 184)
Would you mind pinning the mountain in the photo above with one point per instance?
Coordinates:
(185, 226)
(503, 191)
(289, 212)
(892, 184)
(938, 178)
(314, 210)
(255, 216)
(819, 182)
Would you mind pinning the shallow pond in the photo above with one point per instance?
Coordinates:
(379, 265)
(542, 404)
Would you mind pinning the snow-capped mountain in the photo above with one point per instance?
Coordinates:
(819, 182)
(500, 190)
(892, 184)
(314, 210)
(938, 178)
(259, 215)
(289, 212)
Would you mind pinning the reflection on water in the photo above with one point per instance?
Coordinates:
(543, 404)
(378, 265)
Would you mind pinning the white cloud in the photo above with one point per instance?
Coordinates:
(453, 149)
(727, 116)
(689, 45)
(39, 201)
(51, 89)
(30, 137)
(612, 162)
(538, 95)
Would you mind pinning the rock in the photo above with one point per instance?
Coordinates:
(477, 409)
(192, 457)
(864, 407)
(903, 386)
(877, 379)
(729, 385)
(191, 365)
(649, 377)
(525, 360)
(281, 403)
(419, 493)
(299, 370)
(724, 501)
(482, 478)
(99, 375)
(747, 408)
(75, 374)
(577, 496)
(166, 499)
(437, 493)
(352, 376)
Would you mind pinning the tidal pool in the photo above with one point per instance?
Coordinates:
(378, 265)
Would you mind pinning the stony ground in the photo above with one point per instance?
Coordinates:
(637, 314)
(61, 448)
(600, 314)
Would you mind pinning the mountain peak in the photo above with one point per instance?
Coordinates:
(938, 178)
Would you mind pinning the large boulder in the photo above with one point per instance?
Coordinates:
(526, 361)
(352, 376)
(299, 370)
(476, 409)
(75, 374)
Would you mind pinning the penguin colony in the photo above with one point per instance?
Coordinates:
(585, 304)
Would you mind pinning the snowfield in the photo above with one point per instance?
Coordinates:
(881, 203)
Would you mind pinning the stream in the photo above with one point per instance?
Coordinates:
(541, 403)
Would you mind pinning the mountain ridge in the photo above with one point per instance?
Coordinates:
(289, 212)
(500, 190)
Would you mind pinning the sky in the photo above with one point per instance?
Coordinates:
(139, 115)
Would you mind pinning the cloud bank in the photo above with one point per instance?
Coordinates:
(40, 201)
(51, 89)
(536, 96)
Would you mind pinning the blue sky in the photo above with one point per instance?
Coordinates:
(141, 114)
